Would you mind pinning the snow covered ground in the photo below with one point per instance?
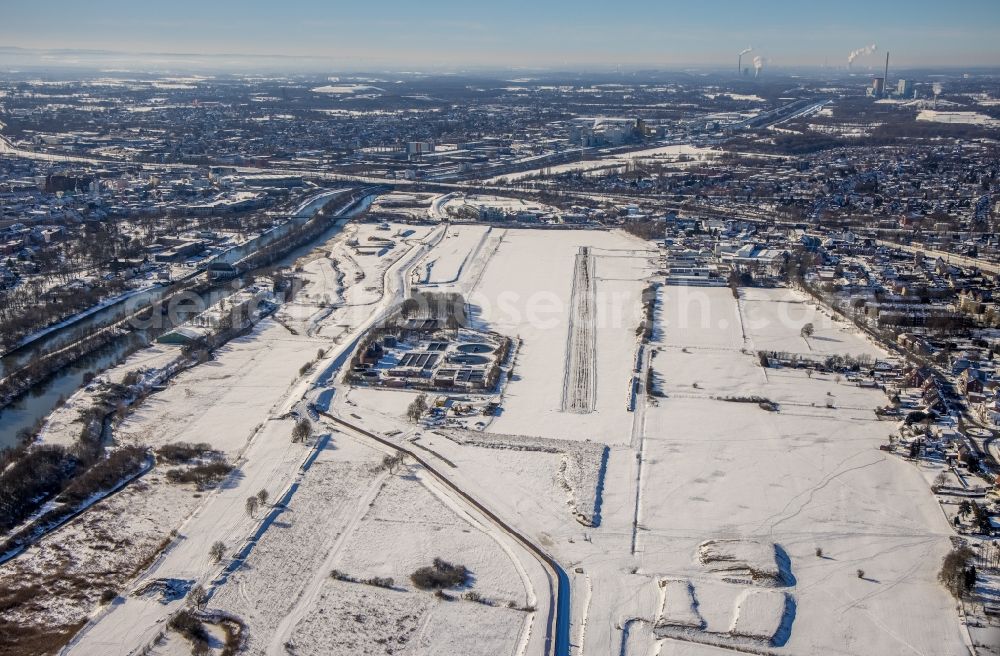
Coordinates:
(579, 471)
(803, 478)
(459, 205)
(63, 425)
(347, 515)
(965, 118)
(445, 264)
(100, 550)
(525, 293)
(268, 463)
(719, 504)
(238, 403)
(659, 154)
(345, 88)
(224, 401)
(344, 278)
(773, 320)
(766, 488)
(687, 525)
(235, 402)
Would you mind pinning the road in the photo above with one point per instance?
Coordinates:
(557, 628)
(7, 148)
(810, 109)
(960, 260)
(986, 450)
(638, 436)
(436, 209)
(127, 627)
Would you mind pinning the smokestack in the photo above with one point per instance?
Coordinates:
(886, 70)
(739, 60)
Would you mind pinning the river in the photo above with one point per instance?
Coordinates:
(35, 405)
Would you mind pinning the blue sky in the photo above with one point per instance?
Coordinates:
(521, 33)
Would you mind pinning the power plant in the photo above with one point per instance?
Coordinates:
(739, 61)
(880, 85)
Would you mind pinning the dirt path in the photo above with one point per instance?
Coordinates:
(307, 596)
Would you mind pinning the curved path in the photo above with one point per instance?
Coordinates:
(557, 629)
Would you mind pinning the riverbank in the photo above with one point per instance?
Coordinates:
(74, 319)
(237, 403)
(49, 384)
(91, 473)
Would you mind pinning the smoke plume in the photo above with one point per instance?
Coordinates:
(867, 50)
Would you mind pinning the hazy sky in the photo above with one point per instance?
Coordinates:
(557, 33)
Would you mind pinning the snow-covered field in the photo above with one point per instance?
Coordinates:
(525, 292)
(291, 553)
(679, 605)
(730, 500)
(101, 550)
(63, 425)
(687, 522)
(659, 154)
(269, 463)
(376, 524)
(348, 516)
(343, 279)
(752, 492)
(233, 403)
(345, 88)
(803, 478)
(445, 264)
(965, 118)
(224, 401)
(579, 471)
(773, 319)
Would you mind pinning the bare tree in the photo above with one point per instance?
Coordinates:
(392, 463)
(302, 431)
(957, 572)
(217, 551)
(198, 596)
(417, 408)
(262, 497)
